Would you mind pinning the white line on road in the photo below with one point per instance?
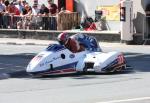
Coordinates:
(127, 100)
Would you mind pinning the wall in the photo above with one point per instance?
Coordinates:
(88, 7)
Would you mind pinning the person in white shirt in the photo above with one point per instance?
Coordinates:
(35, 9)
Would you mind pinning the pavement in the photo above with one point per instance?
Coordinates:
(19, 41)
(105, 45)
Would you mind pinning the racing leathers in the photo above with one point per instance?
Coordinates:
(88, 42)
(73, 45)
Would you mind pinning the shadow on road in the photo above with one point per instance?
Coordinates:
(89, 75)
(139, 62)
(13, 66)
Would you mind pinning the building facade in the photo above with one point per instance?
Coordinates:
(88, 7)
(138, 12)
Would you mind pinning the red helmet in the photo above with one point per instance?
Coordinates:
(62, 37)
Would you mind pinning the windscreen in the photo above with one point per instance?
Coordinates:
(55, 47)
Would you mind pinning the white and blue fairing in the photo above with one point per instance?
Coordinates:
(55, 57)
(100, 60)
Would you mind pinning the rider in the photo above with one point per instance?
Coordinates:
(89, 42)
(69, 42)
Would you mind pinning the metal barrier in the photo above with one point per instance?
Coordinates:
(146, 28)
(34, 22)
(62, 21)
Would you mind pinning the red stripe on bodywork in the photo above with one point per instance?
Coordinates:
(61, 71)
(69, 70)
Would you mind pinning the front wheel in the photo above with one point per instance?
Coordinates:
(85, 70)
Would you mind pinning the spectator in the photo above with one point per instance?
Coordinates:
(6, 16)
(13, 10)
(24, 23)
(44, 11)
(35, 9)
(6, 5)
(35, 19)
(2, 9)
(52, 8)
(20, 6)
(27, 10)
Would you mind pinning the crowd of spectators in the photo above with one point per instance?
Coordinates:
(29, 14)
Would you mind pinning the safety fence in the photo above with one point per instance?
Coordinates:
(63, 21)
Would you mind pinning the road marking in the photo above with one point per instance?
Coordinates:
(126, 100)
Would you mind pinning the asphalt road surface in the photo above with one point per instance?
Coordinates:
(126, 87)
